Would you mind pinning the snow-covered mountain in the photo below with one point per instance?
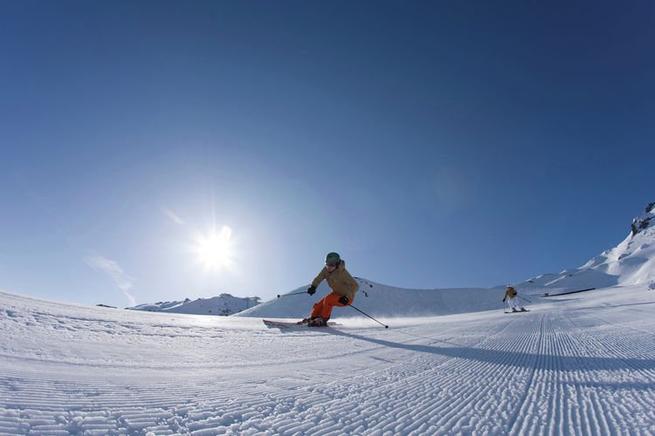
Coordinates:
(381, 300)
(222, 305)
(632, 262)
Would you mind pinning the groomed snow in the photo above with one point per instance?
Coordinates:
(577, 364)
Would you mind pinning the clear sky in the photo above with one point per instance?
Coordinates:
(432, 144)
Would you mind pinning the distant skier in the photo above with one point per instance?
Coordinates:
(343, 292)
(512, 300)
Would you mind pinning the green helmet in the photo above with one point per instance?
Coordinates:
(332, 258)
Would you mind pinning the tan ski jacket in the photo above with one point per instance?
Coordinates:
(510, 293)
(339, 280)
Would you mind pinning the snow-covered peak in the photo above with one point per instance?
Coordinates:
(631, 262)
(222, 305)
(651, 208)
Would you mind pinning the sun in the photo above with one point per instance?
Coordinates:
(214, 250)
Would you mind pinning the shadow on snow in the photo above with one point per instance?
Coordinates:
(519, 359)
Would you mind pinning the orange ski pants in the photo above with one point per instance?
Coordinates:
(323, 307)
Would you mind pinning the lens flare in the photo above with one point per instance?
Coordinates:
(214, 250)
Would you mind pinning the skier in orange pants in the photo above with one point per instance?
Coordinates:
(323, 308)
(344, 287)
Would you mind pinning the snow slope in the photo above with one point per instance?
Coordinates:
(581, 364)
(381, 300)
(224, 304)
(632, 262)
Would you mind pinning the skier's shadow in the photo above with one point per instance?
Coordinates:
(517, 358)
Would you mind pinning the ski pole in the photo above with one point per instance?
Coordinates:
(288, 295)
(522, 298)
(364, 313)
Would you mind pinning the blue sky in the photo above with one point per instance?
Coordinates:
(433, 144)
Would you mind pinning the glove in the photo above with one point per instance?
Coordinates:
(344, 300)
(503, 300)
(311, 290)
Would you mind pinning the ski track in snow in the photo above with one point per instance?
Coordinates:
(570, 366)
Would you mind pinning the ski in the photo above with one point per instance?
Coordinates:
(292, 325)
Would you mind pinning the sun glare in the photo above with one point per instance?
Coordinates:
(214, 250)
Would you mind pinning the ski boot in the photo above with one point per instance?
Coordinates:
(317, 322)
